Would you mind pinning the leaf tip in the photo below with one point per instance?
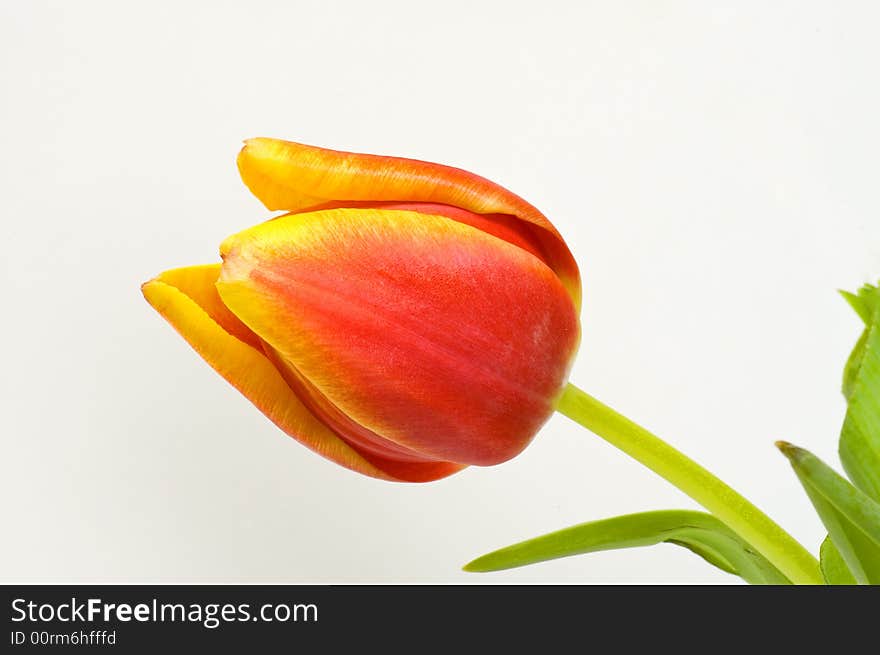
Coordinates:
(790, 450)
(474, 566)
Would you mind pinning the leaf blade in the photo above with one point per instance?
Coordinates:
(859, 446)
(834, 568)
(699, 532)
(862, 301)
(851, 516)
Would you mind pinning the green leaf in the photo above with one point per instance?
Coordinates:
(833, 567)
(699, 532)
(860, 437)
(864, 301)
(851, 516)
(854, 365)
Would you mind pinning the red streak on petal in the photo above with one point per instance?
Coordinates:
(357, 436)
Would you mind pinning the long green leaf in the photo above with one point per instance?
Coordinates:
(851, 516)
(699, 532)
(860, 437)
(834, 569)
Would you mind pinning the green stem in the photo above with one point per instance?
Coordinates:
(727, 505)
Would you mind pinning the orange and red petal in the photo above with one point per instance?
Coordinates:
(188, 300)
(291, 176)
(441, 338)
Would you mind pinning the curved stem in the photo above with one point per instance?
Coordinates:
(736, 512)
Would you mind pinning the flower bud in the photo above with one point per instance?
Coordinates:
(404, 319)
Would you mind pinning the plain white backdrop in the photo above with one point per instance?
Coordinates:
(713, 167)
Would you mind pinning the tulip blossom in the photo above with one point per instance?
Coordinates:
(403, 319)
(407, 319)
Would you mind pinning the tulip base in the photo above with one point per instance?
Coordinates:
(740, 515)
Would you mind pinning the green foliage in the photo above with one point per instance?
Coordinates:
(834, 569)
(860, 438)
(851, 516)
(859, 446)
(851, 552)
(699, 532)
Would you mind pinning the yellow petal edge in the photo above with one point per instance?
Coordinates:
(187, 299)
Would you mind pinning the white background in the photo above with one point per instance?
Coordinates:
(713, 167)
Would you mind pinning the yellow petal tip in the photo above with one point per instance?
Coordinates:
(147, 288)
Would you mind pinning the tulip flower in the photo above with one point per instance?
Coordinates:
(407, 319)
(403, 319)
